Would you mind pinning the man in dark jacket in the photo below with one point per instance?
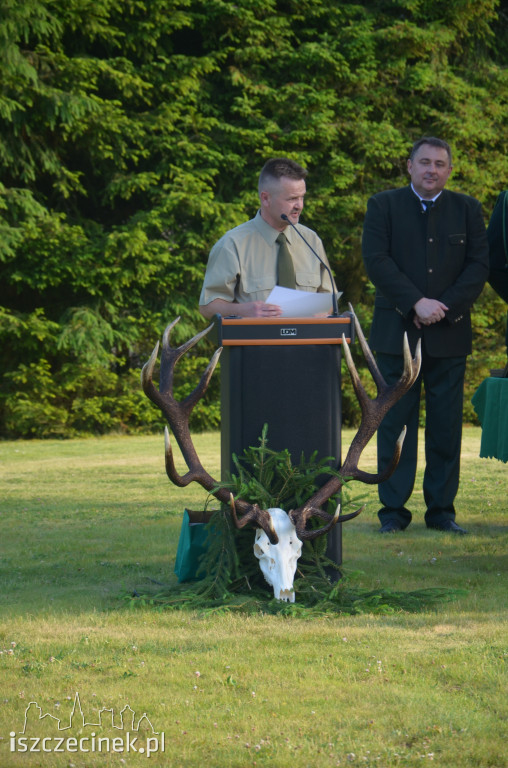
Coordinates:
(425, 249)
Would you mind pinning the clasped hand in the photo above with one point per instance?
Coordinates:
(428, 311)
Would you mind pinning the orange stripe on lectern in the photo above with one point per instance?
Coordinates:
(277, 342)
(286, 321)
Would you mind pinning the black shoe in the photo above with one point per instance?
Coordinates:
(449, 526)
(391, 526)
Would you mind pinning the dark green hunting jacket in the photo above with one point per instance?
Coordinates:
(410, 254)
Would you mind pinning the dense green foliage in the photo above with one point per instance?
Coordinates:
(132, 134)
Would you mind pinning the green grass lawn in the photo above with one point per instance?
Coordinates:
(86, 522)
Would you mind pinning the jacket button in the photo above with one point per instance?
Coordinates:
(430, 270)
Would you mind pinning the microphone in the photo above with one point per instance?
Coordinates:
(335, 312)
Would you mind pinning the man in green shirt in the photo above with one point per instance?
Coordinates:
(243, 265)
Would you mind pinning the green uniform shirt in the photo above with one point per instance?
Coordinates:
(242, 265)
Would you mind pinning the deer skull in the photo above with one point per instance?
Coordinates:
(278, 561)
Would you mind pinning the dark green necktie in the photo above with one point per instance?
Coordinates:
(285, 268)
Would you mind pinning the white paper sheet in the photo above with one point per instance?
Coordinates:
(301, 303)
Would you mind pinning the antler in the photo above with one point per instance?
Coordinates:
(373, 412)
(178, 414)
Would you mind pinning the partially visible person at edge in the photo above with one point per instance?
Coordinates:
(497, 233)
(425, 250)
(242, 267)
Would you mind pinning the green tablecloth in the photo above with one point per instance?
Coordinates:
(490, 402)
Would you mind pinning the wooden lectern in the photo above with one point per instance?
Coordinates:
(284, 372)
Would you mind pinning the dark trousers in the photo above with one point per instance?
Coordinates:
(443, 381)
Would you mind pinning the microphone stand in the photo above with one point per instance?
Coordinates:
(335, 312)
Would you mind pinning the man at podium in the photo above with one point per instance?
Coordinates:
(251, 259)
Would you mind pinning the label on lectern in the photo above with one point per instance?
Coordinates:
(243, 331)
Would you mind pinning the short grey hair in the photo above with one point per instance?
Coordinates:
(278, 167)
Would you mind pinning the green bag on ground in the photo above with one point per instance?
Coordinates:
(191, 545)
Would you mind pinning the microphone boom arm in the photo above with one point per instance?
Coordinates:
(335, 312)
